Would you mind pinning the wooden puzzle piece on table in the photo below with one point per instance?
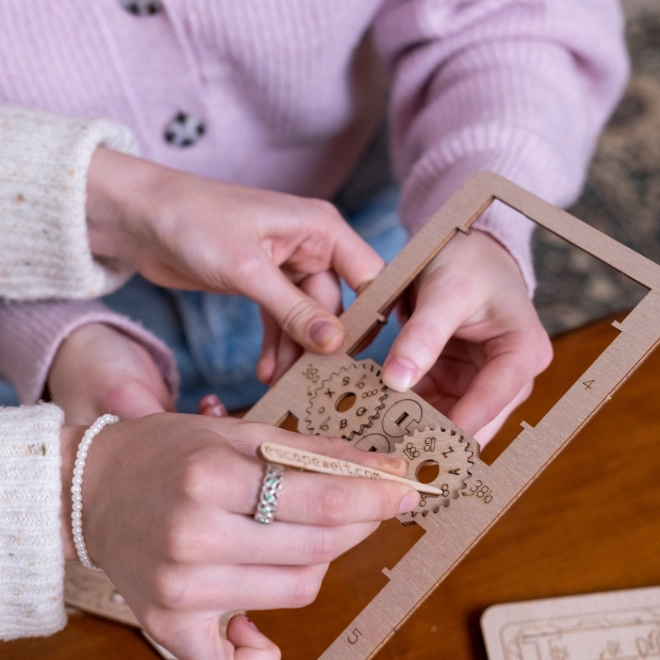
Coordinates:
(603, 626)
(336, 395)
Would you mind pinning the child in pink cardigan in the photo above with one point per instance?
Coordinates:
(287, 96)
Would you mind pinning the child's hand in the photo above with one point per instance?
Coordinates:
(474, 343)
(167, 510)
(188, 232)
(99, 370)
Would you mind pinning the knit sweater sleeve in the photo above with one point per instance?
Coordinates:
(31, 333)
(519, 87)
(31, 556)
(44, 249)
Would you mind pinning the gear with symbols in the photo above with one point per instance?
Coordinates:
(347, 402)
(450, 452)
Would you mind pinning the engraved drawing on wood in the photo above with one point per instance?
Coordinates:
(616, 624)
(445, 450)
(347, 402)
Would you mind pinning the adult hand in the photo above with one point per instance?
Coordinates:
(188, 232)
(99, 370)
(167, 513)
(278, 350)
(474, 343)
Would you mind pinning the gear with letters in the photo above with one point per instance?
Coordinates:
(347, 402)
(452, 454)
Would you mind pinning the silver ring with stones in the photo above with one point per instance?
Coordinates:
(269, 496)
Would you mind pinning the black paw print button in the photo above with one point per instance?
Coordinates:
(142, 7)
(184, 130)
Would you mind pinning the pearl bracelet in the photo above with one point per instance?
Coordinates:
(76, 488)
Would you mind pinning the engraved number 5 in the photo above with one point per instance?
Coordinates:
(354, 636)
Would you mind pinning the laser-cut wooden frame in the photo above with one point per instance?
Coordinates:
(451, 533)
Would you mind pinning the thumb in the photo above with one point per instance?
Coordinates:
(304, 319)
(204, 642)
(248, 642)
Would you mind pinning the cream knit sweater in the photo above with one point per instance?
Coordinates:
(44, 253)
(31, 559)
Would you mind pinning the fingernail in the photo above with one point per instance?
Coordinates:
(409, 502)
(251, 623)
(322, 333)
(211, 406)
(216, 411)
(392, 463)
(399, 374)
(209, 400)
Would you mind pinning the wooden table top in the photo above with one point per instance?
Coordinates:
(591, 522)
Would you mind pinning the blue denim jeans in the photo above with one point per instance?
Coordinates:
(217, 339)
(8, 396)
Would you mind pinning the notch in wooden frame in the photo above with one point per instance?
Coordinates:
(326, 395)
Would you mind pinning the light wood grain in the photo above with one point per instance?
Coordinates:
(311, 462)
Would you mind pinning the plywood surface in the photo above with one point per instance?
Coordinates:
(311, 390)
(623, 624)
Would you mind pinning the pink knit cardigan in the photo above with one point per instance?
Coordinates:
(286, 94)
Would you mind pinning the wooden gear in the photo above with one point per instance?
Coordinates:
(347, 401)
(452, 456)
(324, 395)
